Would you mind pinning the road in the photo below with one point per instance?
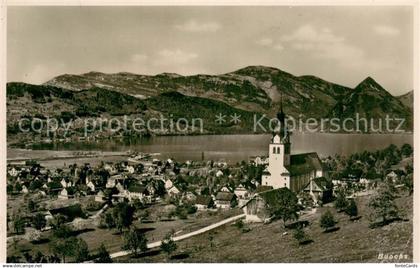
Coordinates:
(185, 236)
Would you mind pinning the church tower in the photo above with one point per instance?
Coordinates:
(276, 174)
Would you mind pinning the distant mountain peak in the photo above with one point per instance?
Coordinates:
(369, 82)
(256, 68)
(172, 75)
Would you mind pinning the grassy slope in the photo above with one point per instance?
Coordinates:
(113, 241)
(353, 242)
(25, 100)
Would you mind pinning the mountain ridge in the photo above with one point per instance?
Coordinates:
(252, 89)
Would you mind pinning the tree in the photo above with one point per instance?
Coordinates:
(103, 255)
(57, 221)
(62, 231)
(107, 220)
(19, 225)
(135, 241)
(35, 184)
(80, 249)
(123, 215)
(70, 247)
(341, 200)
(283, 204)
(9, 189)
(39, 221)
(406, 150)
(306, 200)
(300, 235)
(327, 220)
(168, 245)
(31, 205)
(18, 187)
(383, 206)
(62, 248)
(409, 183)
(351, 209)
(234, 202)
(39, 257)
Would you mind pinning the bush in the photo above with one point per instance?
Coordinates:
(341, 201)
(168, 245)
(103, 255)
(239, 224)
(351, 209)
(299, 234)
(327, 220)
(39, 221)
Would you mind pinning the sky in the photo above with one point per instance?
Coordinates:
(339, 44)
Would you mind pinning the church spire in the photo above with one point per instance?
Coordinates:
(280, 115)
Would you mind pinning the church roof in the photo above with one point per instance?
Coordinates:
(320, 184)
(304, 163)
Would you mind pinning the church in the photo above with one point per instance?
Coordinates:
(294, 172)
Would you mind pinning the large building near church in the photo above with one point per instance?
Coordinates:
(294, 172)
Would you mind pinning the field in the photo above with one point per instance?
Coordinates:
(353, 242)
(113, 240)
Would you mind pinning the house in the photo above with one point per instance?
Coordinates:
(100, 196)
(168, 184)
(13, 172)
(241, 192)
(66, 193)
(256, 210)
(130, 169)
(219, 173)
(24, 189)
(225, 189)
(392, 176)
(112, 181)
(110, 168)
(138, 191)
(203, 202)
(260, 160)
(321, 189)
(173, 191)
(91, 186)
(120, 187)
(225, 200)
(284, 169)
(65, 182)
(220, 164)
(63, 194)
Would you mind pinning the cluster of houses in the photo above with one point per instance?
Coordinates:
(149, 181)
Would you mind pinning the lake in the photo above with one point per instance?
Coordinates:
(232, 148)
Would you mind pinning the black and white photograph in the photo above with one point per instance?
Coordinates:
(210, 133)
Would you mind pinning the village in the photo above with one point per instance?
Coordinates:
(103, 209)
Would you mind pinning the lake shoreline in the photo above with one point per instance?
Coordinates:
(15, 144)
(232, 148)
